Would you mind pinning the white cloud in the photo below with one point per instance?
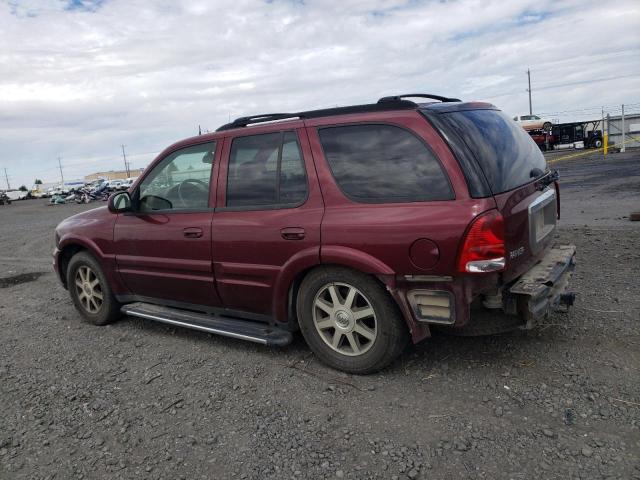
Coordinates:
(80, 82)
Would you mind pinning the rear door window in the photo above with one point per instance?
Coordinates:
(383, 164)
(505, 151)
(266, 170)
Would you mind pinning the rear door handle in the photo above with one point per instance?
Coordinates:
(292, 233)
(192, 232)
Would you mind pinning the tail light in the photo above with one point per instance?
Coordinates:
(483, 249)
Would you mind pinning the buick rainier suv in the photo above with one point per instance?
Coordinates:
(363, 227)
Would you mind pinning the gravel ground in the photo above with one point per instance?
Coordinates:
(142, 400)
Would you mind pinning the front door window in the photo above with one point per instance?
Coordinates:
(179, 182)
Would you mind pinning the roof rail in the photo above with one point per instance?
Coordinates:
(267, 117)
(391, 104)
(396, 98)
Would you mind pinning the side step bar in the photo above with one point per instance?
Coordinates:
(225, 326)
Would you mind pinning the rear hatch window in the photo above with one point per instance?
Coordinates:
(507, 155)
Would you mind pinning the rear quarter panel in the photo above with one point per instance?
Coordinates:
(387, 231)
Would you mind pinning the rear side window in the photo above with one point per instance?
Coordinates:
(506, 153)
(383, 164)
(266, 170)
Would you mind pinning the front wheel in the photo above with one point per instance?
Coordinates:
(349, 321)
(90, 291)
(547, 126)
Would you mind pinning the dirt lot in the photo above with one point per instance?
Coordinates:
(143, 400)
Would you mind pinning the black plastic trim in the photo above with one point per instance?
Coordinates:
(226, 312)
(252, 208)
(139, 213)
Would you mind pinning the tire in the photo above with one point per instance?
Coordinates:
(597, 143)
(82, 273)
(547, 126)
(365, 317)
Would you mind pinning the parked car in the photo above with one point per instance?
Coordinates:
(114, 184)
(534, 122)
(127, 183)
(362, 226)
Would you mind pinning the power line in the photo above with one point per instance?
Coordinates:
(594, 109)
(567, 84)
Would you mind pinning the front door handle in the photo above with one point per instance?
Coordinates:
(292, 233)
(192, 232)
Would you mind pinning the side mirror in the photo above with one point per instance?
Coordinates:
(119, 202)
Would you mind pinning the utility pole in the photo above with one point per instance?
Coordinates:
(529, 90)
(61, 175)
(623, 149)
(126, 165)
(7, 178)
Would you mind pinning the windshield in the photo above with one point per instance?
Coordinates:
(506, 153)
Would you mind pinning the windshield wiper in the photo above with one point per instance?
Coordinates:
(547, 179)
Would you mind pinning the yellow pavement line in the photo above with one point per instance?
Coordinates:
(585, 152)
(579, 154)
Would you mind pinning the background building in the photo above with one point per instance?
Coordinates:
(113, 175)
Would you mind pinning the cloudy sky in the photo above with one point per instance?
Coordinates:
(79, 78)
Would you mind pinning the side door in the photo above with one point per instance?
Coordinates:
(267, 225)
(163, 247)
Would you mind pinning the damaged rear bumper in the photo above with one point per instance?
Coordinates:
(544, 288)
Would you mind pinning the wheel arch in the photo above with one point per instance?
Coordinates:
(70, 246)
(418, 331)
(298, 267)
(66, 253)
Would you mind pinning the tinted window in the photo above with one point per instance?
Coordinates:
(266, 170)
(179, 181)
(505, 152)
(383, 163)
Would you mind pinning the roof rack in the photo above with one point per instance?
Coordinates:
(440, 98)
(384, 104)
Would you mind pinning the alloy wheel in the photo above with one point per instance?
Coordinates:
(89, 289)
(345, 319)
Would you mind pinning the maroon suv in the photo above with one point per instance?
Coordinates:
(362, 226)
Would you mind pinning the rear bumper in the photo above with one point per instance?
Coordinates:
(521, 302)
(544, 288)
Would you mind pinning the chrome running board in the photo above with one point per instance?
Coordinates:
(225, 326)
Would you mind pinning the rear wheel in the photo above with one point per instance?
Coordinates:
(90, 290)
(349, 321)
